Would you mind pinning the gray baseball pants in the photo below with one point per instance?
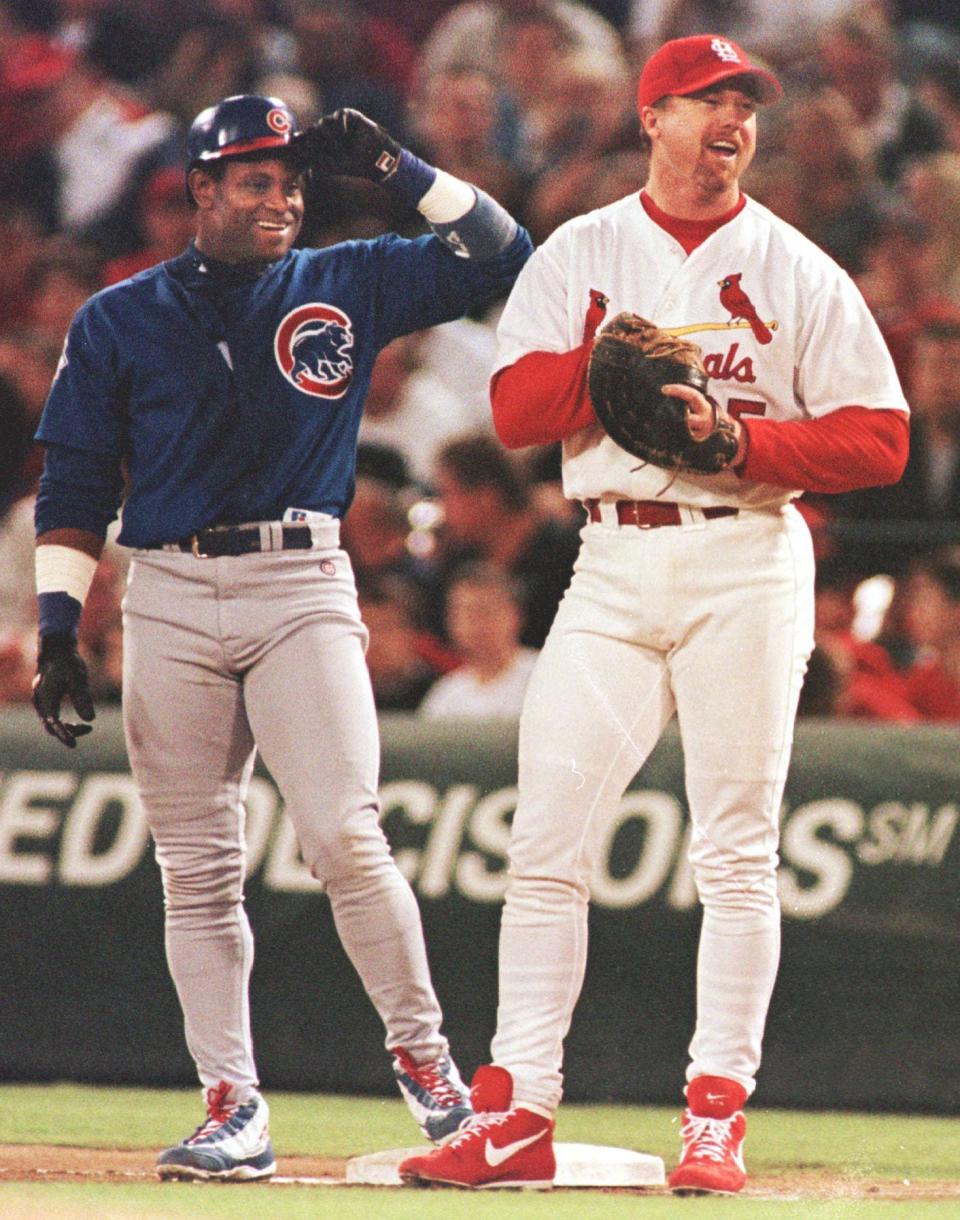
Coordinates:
(222, 657)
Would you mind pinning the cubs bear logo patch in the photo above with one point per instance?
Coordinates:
(313, 348)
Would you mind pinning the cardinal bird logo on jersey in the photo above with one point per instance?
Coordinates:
(596, 312)
(313, 349)
(736, 302)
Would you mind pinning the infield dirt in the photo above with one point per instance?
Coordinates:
(56, 1163)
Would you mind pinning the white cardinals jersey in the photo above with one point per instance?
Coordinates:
(784, 332)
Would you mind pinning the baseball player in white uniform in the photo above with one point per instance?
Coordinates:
(693, 594)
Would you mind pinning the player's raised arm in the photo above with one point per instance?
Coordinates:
(467, 219)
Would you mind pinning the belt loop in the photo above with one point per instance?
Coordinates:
(325, 535)
(275, 535)
(691, 516)
(608, 514)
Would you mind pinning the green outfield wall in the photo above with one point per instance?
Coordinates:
(866, 1011)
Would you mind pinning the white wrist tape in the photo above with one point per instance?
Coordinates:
(64, 569)
(447, 199)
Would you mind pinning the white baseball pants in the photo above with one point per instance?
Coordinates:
(713, 621)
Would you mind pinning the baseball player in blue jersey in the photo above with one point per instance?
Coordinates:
(219, 396)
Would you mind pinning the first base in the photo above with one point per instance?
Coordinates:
(577, 1165)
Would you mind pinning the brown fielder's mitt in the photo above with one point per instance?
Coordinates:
(631, 362)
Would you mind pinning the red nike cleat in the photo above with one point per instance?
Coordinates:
(713, 1131)
(512, 1147)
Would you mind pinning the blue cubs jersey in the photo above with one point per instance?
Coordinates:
(217, 395)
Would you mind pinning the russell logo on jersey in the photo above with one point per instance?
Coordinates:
(313, 348)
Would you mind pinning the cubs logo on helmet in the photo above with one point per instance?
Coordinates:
(278, 119)
(313, 348)
(239, 126)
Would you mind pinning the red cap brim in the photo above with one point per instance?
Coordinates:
(247, 146)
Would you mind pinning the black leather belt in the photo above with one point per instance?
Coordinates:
(222, 540)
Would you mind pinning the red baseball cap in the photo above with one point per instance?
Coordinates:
(38, 66)
(687, 65)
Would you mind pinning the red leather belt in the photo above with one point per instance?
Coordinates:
(651, 514)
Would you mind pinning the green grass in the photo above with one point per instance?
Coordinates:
(893, 1146)
(57, 1202)
(858, 1147)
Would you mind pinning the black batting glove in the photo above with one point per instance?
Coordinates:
(61, 671)
(347, 142)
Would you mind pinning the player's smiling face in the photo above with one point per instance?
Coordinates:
(701, 146)
(252, 214)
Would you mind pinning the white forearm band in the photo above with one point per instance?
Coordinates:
(447, 199)
(64, 569)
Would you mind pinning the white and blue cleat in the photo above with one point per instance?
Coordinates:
(233, 1145)
(437, 1097)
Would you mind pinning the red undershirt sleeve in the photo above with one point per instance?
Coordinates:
(542, 397)
(850, 448)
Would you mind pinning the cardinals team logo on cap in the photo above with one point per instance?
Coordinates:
(687, 65)
(313, 349)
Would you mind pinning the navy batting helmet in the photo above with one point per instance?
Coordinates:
(240, 126)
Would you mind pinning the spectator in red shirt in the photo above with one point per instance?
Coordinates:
(868, 684)
(932, 618)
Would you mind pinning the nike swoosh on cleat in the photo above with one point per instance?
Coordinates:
(496, 1156)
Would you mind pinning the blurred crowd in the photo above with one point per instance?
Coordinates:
(462, 550)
